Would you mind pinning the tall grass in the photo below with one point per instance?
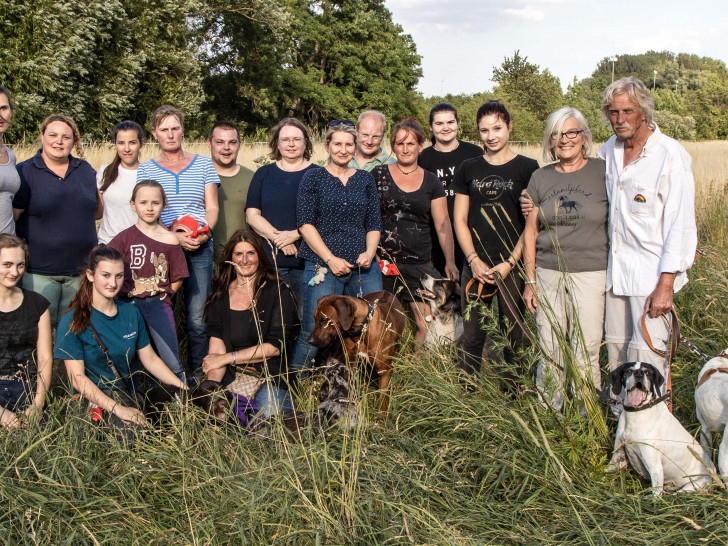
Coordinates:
(443, 467)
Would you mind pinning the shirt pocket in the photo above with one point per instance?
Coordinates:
(642, 202)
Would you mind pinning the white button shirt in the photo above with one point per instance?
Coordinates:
(651, 214)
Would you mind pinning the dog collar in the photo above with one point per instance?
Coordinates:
(664, 398)
(359, 329)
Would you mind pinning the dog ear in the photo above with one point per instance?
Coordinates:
(346, 310)
(655, 376)
(616, 376)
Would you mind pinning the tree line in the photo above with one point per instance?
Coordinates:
(256, 61)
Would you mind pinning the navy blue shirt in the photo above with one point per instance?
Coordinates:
(343, 215)
(59, 219)
(274, 191)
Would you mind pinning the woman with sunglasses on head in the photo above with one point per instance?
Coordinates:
(9, 179)
(271, 203)
(56, 208)
(95, 315)
(340, 222)
(116, 180)
(441, 159)
(488, 224)
(410, 199)
(565, 252)
(25, 340)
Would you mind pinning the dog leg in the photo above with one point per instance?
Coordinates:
(723, 455)
(653, 464)
(384, 392)
(619, 455)
(706, 438)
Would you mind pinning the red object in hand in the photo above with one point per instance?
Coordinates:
(388, 268)
(189, 225)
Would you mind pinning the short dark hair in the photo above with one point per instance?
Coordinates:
(493, 107)
(223, 124)
(441, 107)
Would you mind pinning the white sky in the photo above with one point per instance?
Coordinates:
(461, 41)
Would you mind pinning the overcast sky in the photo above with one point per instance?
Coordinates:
(460, 41)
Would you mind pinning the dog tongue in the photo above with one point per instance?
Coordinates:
(635, 397)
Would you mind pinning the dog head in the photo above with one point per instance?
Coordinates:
(333, 315)
(335, 397)
(442, 294)
(210, 397)
(640, 381)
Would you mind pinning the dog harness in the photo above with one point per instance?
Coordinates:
(351, 332)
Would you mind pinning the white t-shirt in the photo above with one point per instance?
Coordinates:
(118, 214)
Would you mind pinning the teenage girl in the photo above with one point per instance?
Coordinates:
(120, 327)
(488, 224)
(154, 266)
(25, 340)
(116, 180)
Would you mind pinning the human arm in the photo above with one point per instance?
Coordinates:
(175, 286)
(280, 238)
(372, 242)
(81, 383)
(217, 358)
(99, 206)
(530, 233)
(441, 219)
(155, 366)
(44, 358)
(526, 203)
(465, 238)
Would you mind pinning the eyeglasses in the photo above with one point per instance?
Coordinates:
(337, 122)
(571, 135)
(293, 140)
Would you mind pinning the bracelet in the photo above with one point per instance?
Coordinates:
(468, 256)
(235, 360)
(530, 282)
(326, 261)
(511, 262)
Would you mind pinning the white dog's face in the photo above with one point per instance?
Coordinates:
(443, 294)
(639, 380)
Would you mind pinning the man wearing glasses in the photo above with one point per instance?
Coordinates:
(370, 129)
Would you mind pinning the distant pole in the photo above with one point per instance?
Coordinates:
(614, 59)
(442, 87)
(654, 78)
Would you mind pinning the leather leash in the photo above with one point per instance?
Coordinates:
(674, 326)
(479, 295)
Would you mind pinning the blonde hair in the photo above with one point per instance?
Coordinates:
(74, 129)
(636, 91)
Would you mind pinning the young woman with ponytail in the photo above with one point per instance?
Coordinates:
(95, 314)
(117, 179)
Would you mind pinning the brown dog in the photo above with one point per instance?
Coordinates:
(367, 328)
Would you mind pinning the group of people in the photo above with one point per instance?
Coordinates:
(610, 236)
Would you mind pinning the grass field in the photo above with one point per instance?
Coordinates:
(444, 467)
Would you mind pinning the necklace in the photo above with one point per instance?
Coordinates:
(439, 150)
(406, 172)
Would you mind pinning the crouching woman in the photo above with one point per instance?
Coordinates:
(252, 322)
(100, 337)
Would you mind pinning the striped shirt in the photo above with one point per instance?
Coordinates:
(185, 191)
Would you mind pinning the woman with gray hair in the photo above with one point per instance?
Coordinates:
(565, 254)
(340, 221)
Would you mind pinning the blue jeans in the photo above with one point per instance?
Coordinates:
(196, 290)
(273, 400)
(371, 281)
(57, 289)
(294, 277)
(15, 395)
(160, 322)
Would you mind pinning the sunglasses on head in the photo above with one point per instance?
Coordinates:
(337, 122)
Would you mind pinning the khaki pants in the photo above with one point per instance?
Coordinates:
(570, 309)
(623, 333)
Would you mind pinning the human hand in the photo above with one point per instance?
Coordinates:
(451, 272)
(187, 242)
(530, 296)
(214, 362)
(130, 415)
(289, 250)
(526, 203)
(9, 420)
(364, 260)
(339, 266)
(503, 269)
(33, 413)
(660, 301)
(479, 269)
(285, 238)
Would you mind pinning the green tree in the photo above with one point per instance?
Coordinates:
(98, 61)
